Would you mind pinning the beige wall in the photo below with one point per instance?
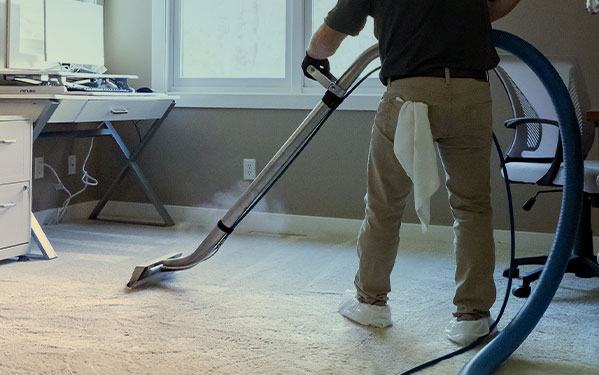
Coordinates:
(56, 152)
(560, 28)
(196, 157)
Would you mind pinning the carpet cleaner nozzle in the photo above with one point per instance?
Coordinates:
(144, 273)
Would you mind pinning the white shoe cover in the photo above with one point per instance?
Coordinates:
(364, 314)
(465, 332)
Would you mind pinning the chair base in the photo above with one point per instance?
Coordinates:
(583, 263)
(582, 267)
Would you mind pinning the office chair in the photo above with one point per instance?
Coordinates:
(535, 157)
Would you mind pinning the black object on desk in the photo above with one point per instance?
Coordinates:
(145, 90)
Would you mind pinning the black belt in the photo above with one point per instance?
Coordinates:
(441, 72)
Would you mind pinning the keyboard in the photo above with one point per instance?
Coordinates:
(82, 88)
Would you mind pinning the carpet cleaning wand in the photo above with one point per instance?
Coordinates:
(337, 92)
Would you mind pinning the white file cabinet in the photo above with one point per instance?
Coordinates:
(15, 186)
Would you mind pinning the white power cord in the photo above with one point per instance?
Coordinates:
(86, 179)
(593, 6)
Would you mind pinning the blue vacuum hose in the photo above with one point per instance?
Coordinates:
(497, 351)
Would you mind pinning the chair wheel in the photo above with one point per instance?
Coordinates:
(515, 273)
(23, 258)
(521, 292)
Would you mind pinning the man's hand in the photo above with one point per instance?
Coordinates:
(323, 45)
(322, 66)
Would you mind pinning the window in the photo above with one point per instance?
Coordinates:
(230, 39)
(247, 53)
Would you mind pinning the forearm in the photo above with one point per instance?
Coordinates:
(501, 8)
(325, 42)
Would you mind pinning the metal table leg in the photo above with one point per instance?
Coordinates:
(36, 230)
(42, 241)
(132, 165)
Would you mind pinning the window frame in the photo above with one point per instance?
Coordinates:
(292, 92)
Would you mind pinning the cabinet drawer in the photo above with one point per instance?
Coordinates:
(119, 110)
(15, 151)
(15, 211)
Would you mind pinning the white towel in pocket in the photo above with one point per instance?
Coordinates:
(415, 149)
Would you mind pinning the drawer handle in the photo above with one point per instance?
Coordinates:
(7, 141)
(119, 111)
(7, 205)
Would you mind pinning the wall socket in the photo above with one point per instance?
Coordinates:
(72, 165)
(249, 169)
(38, 168)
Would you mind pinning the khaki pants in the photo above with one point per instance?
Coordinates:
(461, 124)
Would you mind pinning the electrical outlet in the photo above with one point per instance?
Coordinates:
(38, 168)
(72, 165)
(249, 169)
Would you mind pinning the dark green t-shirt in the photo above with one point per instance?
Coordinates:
(418, 35)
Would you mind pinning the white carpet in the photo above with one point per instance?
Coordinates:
(266, 304)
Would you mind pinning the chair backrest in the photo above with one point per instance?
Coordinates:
(529, 98)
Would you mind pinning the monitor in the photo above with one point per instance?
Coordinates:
(43, 33)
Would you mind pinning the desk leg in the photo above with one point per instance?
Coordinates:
(132, 165)
(37, 232)
(42, 241)
(43, 118)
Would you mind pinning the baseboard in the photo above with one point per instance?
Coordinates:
(75, 212)
(255, 222)
(529, 243)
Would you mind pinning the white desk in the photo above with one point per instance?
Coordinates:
(87, 108)
(101, 108)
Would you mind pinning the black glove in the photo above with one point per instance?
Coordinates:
(322, 66)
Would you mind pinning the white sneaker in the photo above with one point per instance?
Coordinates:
(364, 314)
(465, 332)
